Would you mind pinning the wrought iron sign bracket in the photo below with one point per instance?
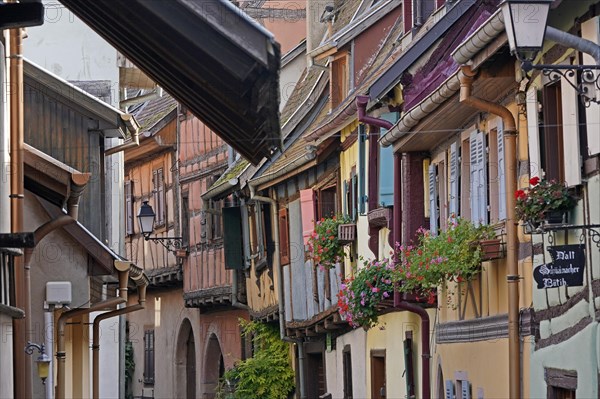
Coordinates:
(590, 80)
(593, 230)
(170, 243)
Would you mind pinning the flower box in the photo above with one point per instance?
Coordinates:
(346, 233)
(491, 249)
(379, 217)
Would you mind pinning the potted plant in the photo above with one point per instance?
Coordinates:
(360, 297)
(544, 200)
(452, 255)
(323, 245)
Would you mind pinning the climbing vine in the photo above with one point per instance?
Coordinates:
(267, 374)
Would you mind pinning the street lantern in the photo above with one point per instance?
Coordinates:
(42, 361)
(525, 22)
(146, 219)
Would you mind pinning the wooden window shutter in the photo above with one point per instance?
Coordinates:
(482, 188)
(307, 208)
(454, 176)
(386, 167)
(501, 171)
(129, 211)
(232, 238)
(474, 172)
(149, 357)
(433, 208)
(570, 119)
(362, 166)
(533, 132)
(284, 242)
(347, 200)
(590, 30)
(159, 196)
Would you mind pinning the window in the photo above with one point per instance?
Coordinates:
(261, 238)
(561, 384)
(554, 134)
(129, 211)
(347, 363)
(149, 357)
(339, 79)
(214, 228)
(386, 167)
(350, 188)
(326, 202)
(6, 279)
(185, 218)
(158, 181)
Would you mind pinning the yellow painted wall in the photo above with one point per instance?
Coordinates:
(389, 334)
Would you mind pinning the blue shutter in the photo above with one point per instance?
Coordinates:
(501, 172)
(433, 209)
(386, 167)
(362, 166)
(482, 193)
(450, 389)
(454, 173)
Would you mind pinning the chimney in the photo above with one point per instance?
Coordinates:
(315, 29)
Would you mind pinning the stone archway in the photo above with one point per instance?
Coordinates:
(213, 367)
(185, 360)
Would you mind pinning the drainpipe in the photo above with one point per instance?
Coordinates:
(571, 41)
(142, 282)
(62, 321)
(418, 7)
(22, 362)
(512, 276)
(278, 275)
(361, 105)
(134, 129)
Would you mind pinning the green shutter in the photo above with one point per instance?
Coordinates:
(232, 238)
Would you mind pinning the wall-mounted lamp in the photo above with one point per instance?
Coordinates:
(526, 22)
(146, 217)
(42, 361)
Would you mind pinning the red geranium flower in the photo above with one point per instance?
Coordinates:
(534, 181)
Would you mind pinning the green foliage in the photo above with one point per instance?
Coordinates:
(359, 296)
(452, 255)
(267, 374)
(129, 369)
(323, 244)
(542, 197)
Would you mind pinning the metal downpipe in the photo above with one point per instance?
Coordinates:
(22, 361)
(61, 324)
(96, 336)
(512, 276)
(278, 276)
(361, 105)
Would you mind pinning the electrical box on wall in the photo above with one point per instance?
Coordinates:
(58, 292)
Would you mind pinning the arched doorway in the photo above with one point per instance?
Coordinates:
(214, 368)
(186, 361)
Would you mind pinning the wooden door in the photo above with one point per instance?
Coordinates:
(378, 386)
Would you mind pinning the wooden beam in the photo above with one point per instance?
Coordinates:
(17, 240)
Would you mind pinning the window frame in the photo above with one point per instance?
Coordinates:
(149, 358)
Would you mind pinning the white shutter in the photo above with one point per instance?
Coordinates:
(501, 172)
(474, 172)
(454, 172)
(433, 210)
(533, 132)
(570, 117)
(590, 30)
(482, 188)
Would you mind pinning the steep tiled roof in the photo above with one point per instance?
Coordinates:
(377, 65)
(301, 91)
(345, 11)
(152, 111)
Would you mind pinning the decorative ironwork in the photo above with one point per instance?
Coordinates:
(589, 79)
(593, 231)
(170, 243)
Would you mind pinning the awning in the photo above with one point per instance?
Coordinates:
(208, 55)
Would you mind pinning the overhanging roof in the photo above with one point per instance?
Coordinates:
(391, 78)
(208, 55)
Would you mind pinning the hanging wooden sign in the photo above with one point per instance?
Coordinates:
(566, 269)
